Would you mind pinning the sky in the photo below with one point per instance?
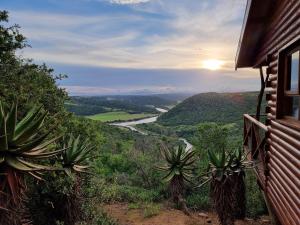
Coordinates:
(136, 46)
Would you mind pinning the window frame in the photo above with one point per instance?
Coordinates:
(283, 82)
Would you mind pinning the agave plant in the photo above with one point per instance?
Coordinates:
(226, 176)
(75, 154)
(73, 160)
(21, 144)
(238, 167)
(221, 187)
(178, 169)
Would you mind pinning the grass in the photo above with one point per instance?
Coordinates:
(118, 116)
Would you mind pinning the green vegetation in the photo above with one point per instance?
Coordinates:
(211, 107)
(178, 170)
(120, 163)
(118, 116)
(86, 106)
(20, 144)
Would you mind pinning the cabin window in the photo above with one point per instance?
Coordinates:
(289, 80)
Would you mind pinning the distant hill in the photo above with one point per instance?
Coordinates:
(211, 107)
(128, 103)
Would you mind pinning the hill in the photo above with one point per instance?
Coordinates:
(129, 103)
(211, 107)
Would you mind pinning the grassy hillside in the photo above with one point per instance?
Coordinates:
(211, 107)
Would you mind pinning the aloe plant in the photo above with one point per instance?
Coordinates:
(178, 172)
(74, 161)
(75, 155)
(238, 167)
(22, 143)
(226, 176)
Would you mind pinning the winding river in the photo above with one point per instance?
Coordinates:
(130, 125)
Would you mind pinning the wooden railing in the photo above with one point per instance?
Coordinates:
(255, 133)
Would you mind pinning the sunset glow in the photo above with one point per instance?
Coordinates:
(212, 64)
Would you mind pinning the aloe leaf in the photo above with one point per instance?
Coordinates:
(30, 116)
(31, 130)
(11, 121)
(18, 165)
(3, 133)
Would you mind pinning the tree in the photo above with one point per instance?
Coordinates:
(21, 79)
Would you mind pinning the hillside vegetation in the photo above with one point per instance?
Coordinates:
(211, 107)
(129, 103)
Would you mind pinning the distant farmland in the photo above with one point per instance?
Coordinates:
(118, 116)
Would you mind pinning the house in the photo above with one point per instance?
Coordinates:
(270, 42)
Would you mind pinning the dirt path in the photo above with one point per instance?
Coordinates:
(127, 216)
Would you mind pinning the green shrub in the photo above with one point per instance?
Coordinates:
(255, 202)
(101, 218)
(113, 192)
(198, 201)
(151, 209)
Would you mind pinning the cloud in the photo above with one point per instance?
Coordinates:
(160, 34)
(127, 2)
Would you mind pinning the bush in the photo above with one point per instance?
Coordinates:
(113, 192)
(101, 218)
(198, 201)
(151, 210)
(255, 202)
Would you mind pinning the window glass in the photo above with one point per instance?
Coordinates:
(294, 107)
(294, 71)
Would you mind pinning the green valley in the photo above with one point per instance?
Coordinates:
(118, 116)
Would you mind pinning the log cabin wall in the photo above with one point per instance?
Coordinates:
(283, 149)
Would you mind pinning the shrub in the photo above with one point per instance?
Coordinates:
(151, 209)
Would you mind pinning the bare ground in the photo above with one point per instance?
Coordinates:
(126, 216)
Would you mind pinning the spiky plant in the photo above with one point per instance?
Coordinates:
(21, 144)
(238, 175)
(226, 176)
(178, 173)
(221, 187)
(74, 161)
(75, 156)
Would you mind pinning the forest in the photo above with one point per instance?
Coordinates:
(58, 167)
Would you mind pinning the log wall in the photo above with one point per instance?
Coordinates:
(283, 150)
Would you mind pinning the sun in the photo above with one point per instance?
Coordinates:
(212, 64)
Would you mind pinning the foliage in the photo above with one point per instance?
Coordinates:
(211, 107)
(130, 103)
(119, 116)
(151, 210)
(20, 143)
(31, 84)
(178, 172)
(75, 154)
(113, 192)
(226, 176)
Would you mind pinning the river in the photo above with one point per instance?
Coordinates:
(130, 125)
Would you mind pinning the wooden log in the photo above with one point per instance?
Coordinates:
(280, 206)
(291, 150)
(287, 204)
(282, 216)
(276, 173)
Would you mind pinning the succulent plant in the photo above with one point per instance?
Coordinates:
(178, 169)
(226, 176)
(22, 143)
(75, 155)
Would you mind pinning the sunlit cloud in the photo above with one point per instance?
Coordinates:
(126, 2)
(179, 37)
